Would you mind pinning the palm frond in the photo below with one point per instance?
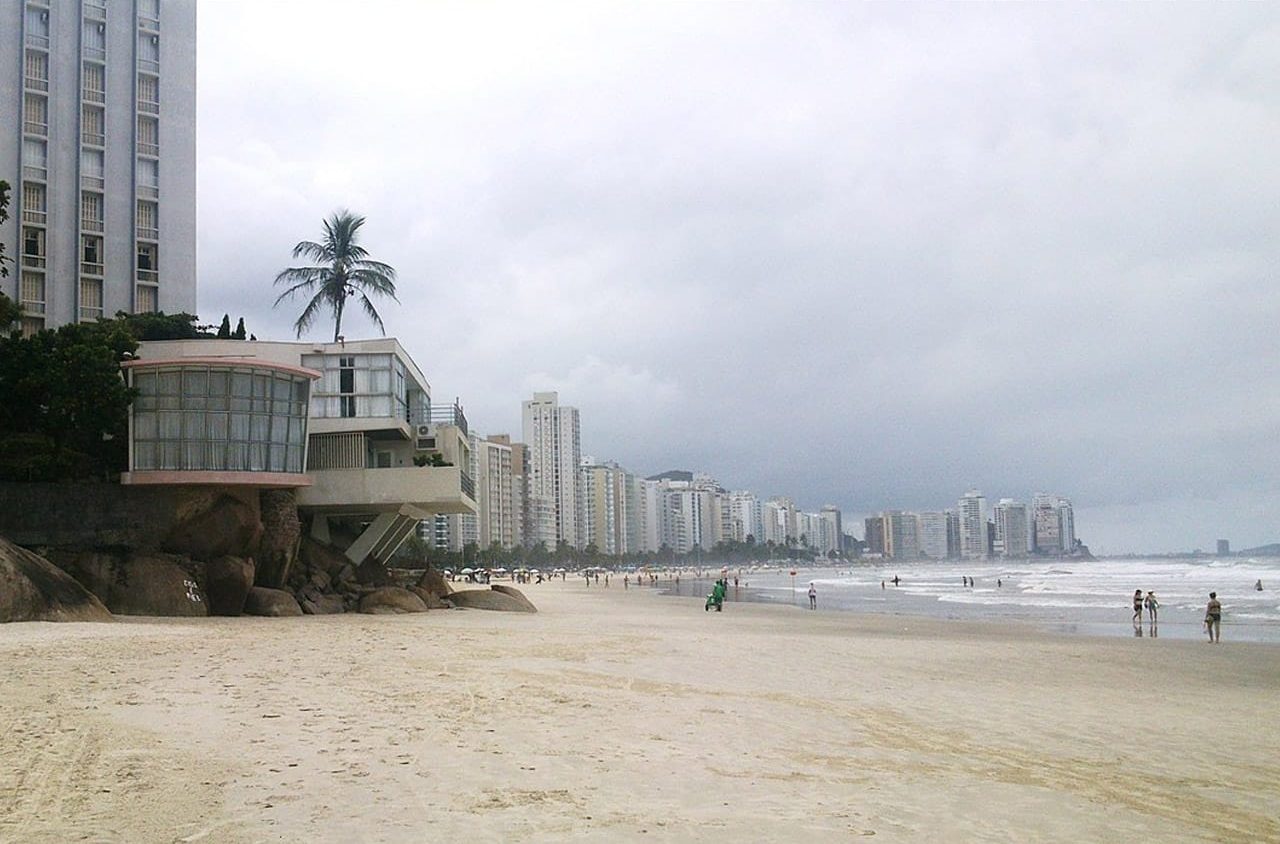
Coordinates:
(372, 313)
(310, 249)
(308, 314)
(299, 279)
(372, 282)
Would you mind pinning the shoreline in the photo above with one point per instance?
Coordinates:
(627, 717)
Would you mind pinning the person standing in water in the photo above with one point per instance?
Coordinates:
(1213, 618)
(1152, 605)
(1137, 606)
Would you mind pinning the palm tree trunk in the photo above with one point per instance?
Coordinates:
(337, 320)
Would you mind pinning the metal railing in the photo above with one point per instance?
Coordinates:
(33, 215)
(93, 139)
(41, 41)
(148, 106)
(148, 191)
(145, 233)
(35, 83)
(468, 485)
(91, 182)
(30, 171)
(152, 150)
(148, 276)
(98, 54)
(37, 262)
(90, 225)
(148, 23)
(35, 127)
(92, 95)
(449, 415)
(149, 65)
(90, 268)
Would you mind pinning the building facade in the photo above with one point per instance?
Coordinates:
(1011, 529)
(553, 435)
(972, 510)
(103, 158)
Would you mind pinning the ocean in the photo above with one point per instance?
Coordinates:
(1072, 596)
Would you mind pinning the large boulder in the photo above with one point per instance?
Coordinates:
(34, 589)
(228, 526)
(281, 536)
(227, 584)
(139, 583)
(433, 581)
(502, 599)
(391, 599)
(373, 573)
(431, 599)
(322, 604)
(317, 556)
(275, 603)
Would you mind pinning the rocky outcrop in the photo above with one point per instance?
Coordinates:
(281, 536)
(432, 600)
(322, 604)
(275, 603)
(433, 581)
(227, 584)
(317, 556)
(138, 583)
(502, 599)
(227, 526)
(34, 589)
(391, 599)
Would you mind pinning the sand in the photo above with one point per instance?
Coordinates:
(619, 715)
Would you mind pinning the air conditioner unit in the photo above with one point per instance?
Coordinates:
(424, 430)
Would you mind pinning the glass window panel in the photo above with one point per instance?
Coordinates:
(195, 383)
(280, 429)
(194, 426)
(295, 458)
(241, 384)
(193, 455)
(300, 391)
(168, 383)
(145, 382)
(170, 426)
(261, 385)
(217, 426)
(280, 408)
(237, 457)
(277, 458)
(145, 403)
(282, 388)
(378, 406)
(259, 427)
(218, 383)
(240, 427)
(257, 457)
(169, 452)
(295, 431)
(241, 404)
(217, 459)
(380, 381)
(144, 426)
(169, 402)
(144, 456)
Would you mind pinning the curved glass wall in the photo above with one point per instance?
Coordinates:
(197, 417)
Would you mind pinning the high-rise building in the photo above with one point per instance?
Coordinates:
(833, 530)
(747, 517)
(874, 534)
(103, 157)
(972, 509)
(1053, 525)
(901, 535)
(933, 535)
(1011, 529)
(1224, 547)
(555, 450)
(497, 514)
(606, 489)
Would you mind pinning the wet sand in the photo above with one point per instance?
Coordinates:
(624, 715)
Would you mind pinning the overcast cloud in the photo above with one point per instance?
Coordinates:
(861, 255)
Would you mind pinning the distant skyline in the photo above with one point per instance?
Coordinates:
(867, 255)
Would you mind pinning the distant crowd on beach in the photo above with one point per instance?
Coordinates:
(1151, 605)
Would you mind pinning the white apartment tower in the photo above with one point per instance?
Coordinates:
(495, 498)
(102, 161)
(555, 451)
(973, 525)
(1011, 528)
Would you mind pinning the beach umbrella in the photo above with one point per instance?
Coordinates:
(468, 571)
(534, 571)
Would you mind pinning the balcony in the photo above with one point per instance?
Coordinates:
(93, 139)
(451, 415)
(36, 40)
(148, 232)
(92, 95)
(36, 262)
(35, 127)
(148, 191)
(148, 66)
(90, 268)
(35, 215)
(40, 174)
(147, 106)
(89, 181)
(97, 54)
(148, 24)
(150, 150)
(148, 276)
(35, 83)
(89, 225)
(434, 489)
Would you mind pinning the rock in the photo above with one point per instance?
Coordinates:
(514, 593)
(228, 526)
(347, 574)
(492, 599)
(281, 536)
(227, 584)
(432, 600)
(34, 589)
(391, 599)
(139, 583)
(317, 556)
(320, 579)
(433, 581)
(275, 603)
(323, 605)
(373, 573)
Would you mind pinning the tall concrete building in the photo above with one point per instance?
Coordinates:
(497, 516)
(832, 530)
(1011, 529)
(934, 542)
(606, 489)
(554, 438)
(1053, 525)
(102, 161)
(901, 535)
(873, 527)
(973, 525)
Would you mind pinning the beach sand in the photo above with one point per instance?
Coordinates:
(624, 715)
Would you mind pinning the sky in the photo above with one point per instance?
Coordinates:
(865, 255)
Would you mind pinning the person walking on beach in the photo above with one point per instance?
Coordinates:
(1137, 606)
(895, 580)
(1152, 605)
(1213, 618)
(813, 597)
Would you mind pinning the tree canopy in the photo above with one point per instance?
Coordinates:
(342, 270)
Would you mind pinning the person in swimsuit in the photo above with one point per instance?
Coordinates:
(1152, 605)
(1213, 618)
(813, 597)
(1137, 606)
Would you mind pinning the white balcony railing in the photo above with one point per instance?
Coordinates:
(35, 83)
(148, 276)
(32, 215)
(148, 107)
(40, 41)
(152, 150)
(91, 225)
(90, 268)
(89, 95)
(93, 139)
(35, 127)
(148, 233)
(30, 171)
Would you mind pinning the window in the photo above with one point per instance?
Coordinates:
(148, 93)
(90, 298)
(148, 136)
(149, 14)
(38, 27)
(90, 254)
(148, 178)
(36, 70)
(91, 169)
(93, 125)
(35, 163)
(91, 211)
(94, 83)
(35, 114)
(148, 52)
(33, 254)
(32, 292)
(94, 40)
(147, 262)
(146, 300)
(147, 220)
(33, 207)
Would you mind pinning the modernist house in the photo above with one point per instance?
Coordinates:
(348, 425)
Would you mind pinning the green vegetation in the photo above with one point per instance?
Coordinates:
(4, 215)
(342, 271)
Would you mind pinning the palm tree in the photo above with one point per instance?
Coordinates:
(344, 270)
